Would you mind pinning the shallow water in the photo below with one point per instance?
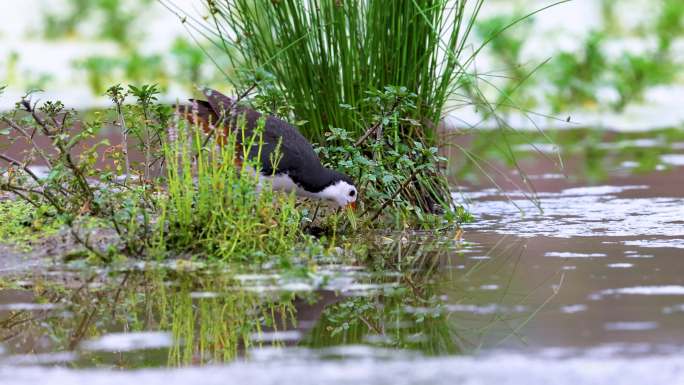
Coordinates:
(589, 289)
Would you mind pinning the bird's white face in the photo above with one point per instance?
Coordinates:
(341, 193)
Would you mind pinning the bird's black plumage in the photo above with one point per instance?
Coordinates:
(297, 157)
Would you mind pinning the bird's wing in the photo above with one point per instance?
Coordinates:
(295, 152)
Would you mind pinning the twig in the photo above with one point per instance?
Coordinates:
(377, 125)
(29, 138)
(388, 201)
(368, 133)
(118, 293)
(32, 110)
(116, 95)
(19, 164)
(244, 94)
(16, 191)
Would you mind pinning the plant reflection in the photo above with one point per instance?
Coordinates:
(407, 297)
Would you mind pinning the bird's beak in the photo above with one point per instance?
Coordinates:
(351, 205)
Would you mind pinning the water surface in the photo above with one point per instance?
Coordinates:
(579, 282)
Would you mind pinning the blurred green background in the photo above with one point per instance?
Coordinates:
(597, 63)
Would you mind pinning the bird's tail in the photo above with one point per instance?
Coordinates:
(212, 115)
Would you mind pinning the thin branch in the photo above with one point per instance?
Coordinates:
(20, 165)
(29, 138)
(396, 193)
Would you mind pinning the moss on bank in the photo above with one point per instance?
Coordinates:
(21, 224)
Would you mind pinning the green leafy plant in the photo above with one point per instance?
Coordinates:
(389, 170)
(134, 67)
(99, 72)
(191, 61)
(22, 223)
(577, 77)
(670, 24)
(147, 122)
(74, 189)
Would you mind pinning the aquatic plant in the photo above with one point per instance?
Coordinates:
(323, 54)
(133, 66)
(669, 24)
(191, 61)
(577, 76)
(506, 47)
(633, 74)
(73, 188)
(391, 172)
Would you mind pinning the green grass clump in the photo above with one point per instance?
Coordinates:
(221, 210)
(326, 53)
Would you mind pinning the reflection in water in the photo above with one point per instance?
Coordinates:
(117, 312)
(417, 292)
(618, 241)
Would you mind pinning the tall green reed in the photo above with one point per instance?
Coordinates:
(327, 53)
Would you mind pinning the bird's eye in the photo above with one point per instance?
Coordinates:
(352, 193)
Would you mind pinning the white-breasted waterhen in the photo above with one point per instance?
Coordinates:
(298, 169)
